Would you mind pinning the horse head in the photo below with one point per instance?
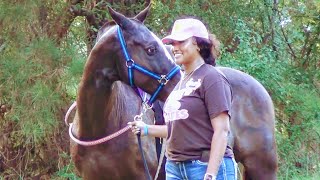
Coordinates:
(127, 50)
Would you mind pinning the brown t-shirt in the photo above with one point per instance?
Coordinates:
(187, 112)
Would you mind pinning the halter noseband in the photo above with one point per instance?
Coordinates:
(162, 79)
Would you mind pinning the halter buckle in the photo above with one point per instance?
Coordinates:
(130, 63)
(163, 80)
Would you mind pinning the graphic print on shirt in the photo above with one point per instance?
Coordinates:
(172, 109)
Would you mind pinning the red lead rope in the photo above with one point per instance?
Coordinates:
(95, 142)
(98, 141)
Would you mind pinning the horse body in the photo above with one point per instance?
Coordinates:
(252, 126)
(106, 105)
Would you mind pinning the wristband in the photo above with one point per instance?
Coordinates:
(145, 129)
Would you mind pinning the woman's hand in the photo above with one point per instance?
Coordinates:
(138, 127)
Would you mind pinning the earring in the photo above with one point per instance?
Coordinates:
(198, 49)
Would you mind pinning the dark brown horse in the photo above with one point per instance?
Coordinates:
(98, 115)
(105, 105)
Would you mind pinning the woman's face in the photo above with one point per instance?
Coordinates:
(185, 52)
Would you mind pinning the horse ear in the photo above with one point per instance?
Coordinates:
(143, 14)
(120, 19)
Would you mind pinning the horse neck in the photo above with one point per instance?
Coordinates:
(92, 112)
(94, 94)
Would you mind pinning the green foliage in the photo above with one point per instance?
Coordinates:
(30, 85)
(75, 50)
(28, 76)
(67, 171)
(32, 71)
(299, 131)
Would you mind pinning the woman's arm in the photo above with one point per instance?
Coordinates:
(221, 127)
(153, 130)
(157, 131)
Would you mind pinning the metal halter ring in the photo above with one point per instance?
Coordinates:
(163, 80)
(146, 106)
(130, 63)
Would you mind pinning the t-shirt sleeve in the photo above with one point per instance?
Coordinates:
(217, 96)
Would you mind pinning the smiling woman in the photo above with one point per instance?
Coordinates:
(197, 112)
(198, 94)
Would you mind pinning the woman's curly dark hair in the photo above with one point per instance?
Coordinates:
(209, 49)
(205, 50)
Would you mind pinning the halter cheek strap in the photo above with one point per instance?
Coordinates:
(162, 79)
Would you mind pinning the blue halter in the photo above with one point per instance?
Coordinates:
(162, 79)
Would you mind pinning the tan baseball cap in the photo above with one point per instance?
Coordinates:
(185, 28)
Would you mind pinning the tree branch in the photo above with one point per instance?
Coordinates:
(101, 5)
(286, 38)
(306, 42)
(147, 3)
(317, 38)
(90, 16)
(74, 2)
(289, 45)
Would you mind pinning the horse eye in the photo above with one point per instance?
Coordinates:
(151, 50)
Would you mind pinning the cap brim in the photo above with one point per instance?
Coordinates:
(169, 39)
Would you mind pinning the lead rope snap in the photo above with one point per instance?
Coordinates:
(138, 117)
